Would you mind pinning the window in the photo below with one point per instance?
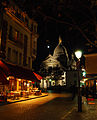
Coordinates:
(25, 50)
(34, 47)
(14, 59)
(29, 61)
(34, 51)
(20, 58)
(21, 38)
(16, 35)
(26, 21)
(32, 27)
(4, 36)
(10, 32)
(9, 54)
(35, 28)
(15, 56)
(34, 43)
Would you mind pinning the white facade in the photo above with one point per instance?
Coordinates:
(56, 67)
(54, 64)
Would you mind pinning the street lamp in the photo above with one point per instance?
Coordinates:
(78, 55)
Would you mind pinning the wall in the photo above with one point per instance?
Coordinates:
(91, 63)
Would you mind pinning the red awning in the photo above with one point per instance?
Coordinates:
(17, 71)
(3, 78)
(4, 68)
(38, 76)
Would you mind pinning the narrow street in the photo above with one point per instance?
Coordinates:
(55, 106)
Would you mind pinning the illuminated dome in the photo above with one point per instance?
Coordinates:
(60, 50)
(60, 53)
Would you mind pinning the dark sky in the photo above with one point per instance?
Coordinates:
(73, 20)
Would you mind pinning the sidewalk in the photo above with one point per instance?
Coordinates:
(89, 111)
(9, 101)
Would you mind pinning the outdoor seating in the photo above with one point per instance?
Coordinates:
(10, 95)
(13, 95)
(37, 92)
(3, 99)
(25, 94)
(16, 95)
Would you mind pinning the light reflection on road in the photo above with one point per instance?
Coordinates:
(51, 106)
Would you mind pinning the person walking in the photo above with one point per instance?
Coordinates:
(83, 93)
(87, 92)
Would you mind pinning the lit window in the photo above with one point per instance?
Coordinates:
(16, 36)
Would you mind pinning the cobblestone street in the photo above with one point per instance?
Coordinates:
(89, 113)
(52, 107)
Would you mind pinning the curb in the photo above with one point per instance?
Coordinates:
(6, 103)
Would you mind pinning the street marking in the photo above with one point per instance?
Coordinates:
(67, 113)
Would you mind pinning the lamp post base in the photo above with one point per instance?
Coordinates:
(79, 104)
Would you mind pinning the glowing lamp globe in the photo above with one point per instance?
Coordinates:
(78, 54)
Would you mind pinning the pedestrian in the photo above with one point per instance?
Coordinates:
(93, 91)
(87, 91)
(82, 91)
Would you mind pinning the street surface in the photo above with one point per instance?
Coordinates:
(55, 106)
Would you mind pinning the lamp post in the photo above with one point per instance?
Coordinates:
(78, 55)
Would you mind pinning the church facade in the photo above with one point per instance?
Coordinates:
(54, 68)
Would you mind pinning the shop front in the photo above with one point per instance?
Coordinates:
(19, 87)
(92, 86)
(16, 81)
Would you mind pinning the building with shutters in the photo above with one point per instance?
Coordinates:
(18, 49)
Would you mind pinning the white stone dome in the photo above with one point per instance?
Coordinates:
(61, 54)
(60, 50)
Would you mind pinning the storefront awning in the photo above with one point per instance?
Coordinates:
(38, 76)
(3, 78)
(17, 71)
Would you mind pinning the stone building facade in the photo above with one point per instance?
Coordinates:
(18, 36)
(18, 48)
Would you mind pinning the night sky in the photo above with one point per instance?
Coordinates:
(73, 20)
